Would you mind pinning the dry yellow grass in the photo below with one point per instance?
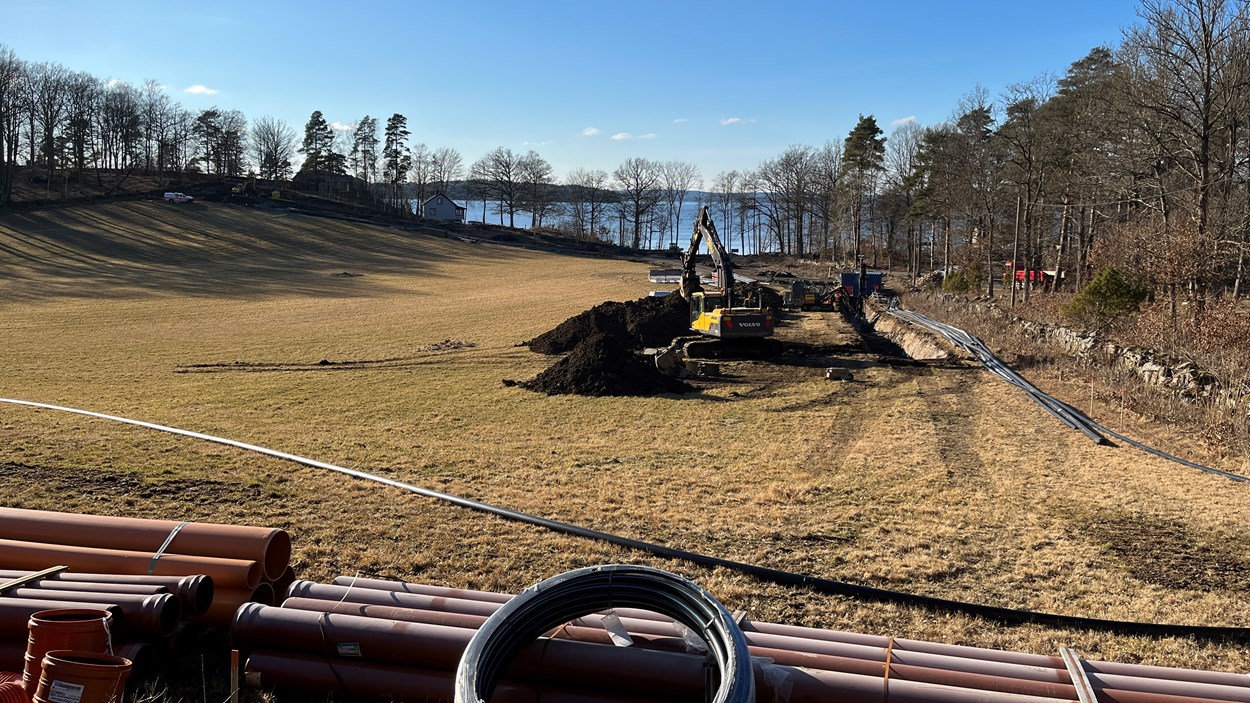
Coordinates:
(940, 481)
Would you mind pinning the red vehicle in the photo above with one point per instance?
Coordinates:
(1034, 276)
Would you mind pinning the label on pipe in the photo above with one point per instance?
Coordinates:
(62, 692)
(616, 631)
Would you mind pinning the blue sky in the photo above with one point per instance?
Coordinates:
(721, 84)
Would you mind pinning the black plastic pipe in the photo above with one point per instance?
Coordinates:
(787, 578)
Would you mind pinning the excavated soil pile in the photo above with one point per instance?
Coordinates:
(646, 322)
(599, 366)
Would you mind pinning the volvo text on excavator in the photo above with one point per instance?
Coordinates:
(724, 330)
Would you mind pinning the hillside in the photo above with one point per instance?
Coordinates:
(931, 478)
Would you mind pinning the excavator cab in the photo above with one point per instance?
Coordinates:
(702, 303)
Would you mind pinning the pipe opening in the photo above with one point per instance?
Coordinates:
(277, 555)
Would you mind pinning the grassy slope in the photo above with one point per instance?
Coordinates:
(938, 481)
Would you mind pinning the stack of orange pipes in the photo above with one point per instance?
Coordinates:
(397, 641)
(160, 578)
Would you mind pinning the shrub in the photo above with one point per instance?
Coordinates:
(957, 282)
(1109, 295)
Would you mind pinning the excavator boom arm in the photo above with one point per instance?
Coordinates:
(704, 228)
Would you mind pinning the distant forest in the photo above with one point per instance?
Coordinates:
(1137, 158)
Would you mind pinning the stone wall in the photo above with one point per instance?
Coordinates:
(1179, 376)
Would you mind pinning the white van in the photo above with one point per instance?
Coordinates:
(178, 197)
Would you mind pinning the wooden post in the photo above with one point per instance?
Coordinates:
(234, 676)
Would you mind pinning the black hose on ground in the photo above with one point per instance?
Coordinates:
(1066, 413)
(785, 578)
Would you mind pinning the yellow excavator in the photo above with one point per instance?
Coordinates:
(723, 329)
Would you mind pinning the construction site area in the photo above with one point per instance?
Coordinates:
(368, 438)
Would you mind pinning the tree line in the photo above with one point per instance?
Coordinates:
(1137, 157)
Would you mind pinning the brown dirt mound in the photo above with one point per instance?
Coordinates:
(600, 366)
(646, 322)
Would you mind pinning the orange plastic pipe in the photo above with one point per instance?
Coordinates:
(13, 692)
(227, 573)
(598, 670)
(570, 663)
(228, 600)
(1126, 683)
(15, 613)
(64, 628)
(142, 656)
(421, 588)
(267, 546)
(133, 589)
(650, 623)
(1052, 662)
(283, 582)
(153, 615)
(595, 635)
(195, 591)
(364, 679)
(94, 678)
(592, 631)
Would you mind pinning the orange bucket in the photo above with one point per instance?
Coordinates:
(82, 677)
(78, 629)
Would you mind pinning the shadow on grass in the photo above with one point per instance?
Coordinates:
(134, 249)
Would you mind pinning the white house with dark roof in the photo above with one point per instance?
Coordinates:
(441, 207)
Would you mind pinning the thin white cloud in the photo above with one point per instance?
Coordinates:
(199, 89)
(115, 83)
(535, 143)
(903, 120)
(621, 136)
(342, 126)
(680, 120)
(648, 135)
(730, 121)
(590, 131)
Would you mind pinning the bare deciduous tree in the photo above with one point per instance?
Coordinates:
(446, 166)
(273, 145)
(12, 97)
(639, 181)
(679, 178)
(537, 192)
(587, 200)
(497, 176)
(421, 173)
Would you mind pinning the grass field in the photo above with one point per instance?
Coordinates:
(937, 480)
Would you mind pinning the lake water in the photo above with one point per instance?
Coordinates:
(689, 214)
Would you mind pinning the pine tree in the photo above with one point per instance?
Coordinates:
(318, 146)
(364, 154)
(863, 156)
(396, 158)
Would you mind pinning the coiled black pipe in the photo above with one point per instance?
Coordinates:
(786, 578)
(573, 594)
